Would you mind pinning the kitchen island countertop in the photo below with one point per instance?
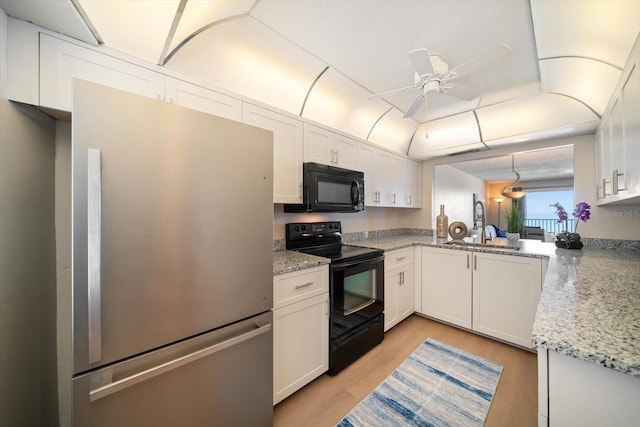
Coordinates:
(590, 303)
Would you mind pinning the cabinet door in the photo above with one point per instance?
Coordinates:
(506, 291)
(382, 170)
(317, 145)
(391, 290)
(413, 199)
(329, 148)
(398, 181)
(198, 98)
(446, 285)
(405, 293)
(287, 151)
(616, 148)
(300, 344)
(631, 120)
(366, 164)
(345, 152)
(61, 62)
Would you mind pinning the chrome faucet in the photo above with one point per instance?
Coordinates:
(483, 236)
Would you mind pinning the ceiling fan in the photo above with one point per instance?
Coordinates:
(434, 76)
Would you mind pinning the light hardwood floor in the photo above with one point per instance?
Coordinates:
(327, 399)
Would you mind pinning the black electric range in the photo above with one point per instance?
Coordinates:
(325, 239)
(356, 289)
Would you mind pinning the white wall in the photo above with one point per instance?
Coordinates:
(370, 219)
(27, 261)
(454, 189)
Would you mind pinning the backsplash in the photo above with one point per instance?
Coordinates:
(626, 245)
(354, 237)
(280, 245)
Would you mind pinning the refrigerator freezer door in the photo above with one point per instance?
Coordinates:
(222, 378)
(185, 230)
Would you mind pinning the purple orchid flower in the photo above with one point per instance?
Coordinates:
(582, 212)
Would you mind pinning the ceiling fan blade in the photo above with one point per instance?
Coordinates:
(415, 106)
(459, 91)
(481, 61)
(422, 61)
(389, 92)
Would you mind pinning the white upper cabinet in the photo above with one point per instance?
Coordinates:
(376, 165)
(412, 197)
(398, 181)
(617, 147)
(287, 150)
(328, 148)
(61, 62)
(202, 99)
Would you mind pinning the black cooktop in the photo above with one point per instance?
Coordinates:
(325, 239)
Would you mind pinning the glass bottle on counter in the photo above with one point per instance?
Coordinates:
(442, 222)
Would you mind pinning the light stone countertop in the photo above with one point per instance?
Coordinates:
(590, 303)
(590, 308)
(288, 261)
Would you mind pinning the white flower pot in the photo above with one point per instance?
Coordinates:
(513, 236)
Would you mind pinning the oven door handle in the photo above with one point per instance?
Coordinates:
(358, 262)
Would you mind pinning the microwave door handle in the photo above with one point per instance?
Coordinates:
(355, 195)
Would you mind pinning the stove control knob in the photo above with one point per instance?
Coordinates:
(304, 228)
(296, 228)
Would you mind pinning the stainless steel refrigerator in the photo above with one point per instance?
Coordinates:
(172, 223)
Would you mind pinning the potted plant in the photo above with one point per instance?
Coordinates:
(514, 223)
(566, 239)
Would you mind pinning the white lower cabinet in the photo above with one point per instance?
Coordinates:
(506, 291)
(398, 286)
(574, 392)
(300, 330)
(496, 295)
(446, 285)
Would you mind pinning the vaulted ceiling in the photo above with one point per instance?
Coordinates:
(322, 59)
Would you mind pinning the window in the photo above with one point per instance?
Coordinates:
(539, 213)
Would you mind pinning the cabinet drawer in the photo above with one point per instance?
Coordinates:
(298, 285)
(398, 257)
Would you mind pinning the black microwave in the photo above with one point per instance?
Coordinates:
(329, 189)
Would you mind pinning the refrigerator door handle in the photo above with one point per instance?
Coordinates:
(94, 231)
(139, 377)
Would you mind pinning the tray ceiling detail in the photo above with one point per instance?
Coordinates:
(322, 59)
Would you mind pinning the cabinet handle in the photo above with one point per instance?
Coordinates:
(94, 256)
(304, 285)
(400, 259)
(615, 183)
(475, 262)
(139, 377)
(467, 261)
(402, 278)
(336, 156)
(604, 188)
(409, 199)
(394, 198)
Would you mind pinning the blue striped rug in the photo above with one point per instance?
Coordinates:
(437, 385)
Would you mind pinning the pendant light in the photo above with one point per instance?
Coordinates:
(510, 190)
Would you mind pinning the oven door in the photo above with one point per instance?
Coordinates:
(357, 294)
